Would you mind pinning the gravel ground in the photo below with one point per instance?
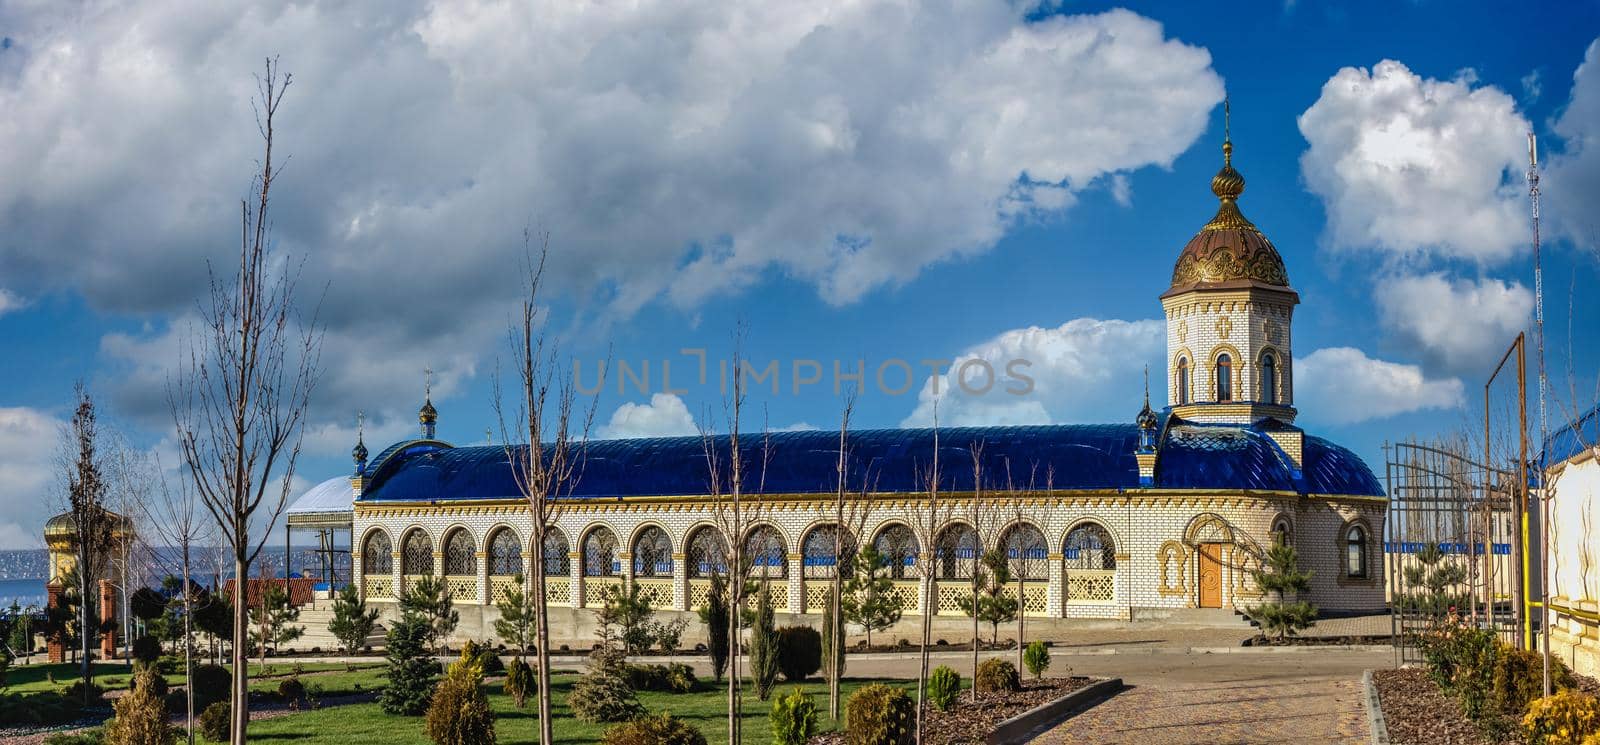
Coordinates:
(970, 721)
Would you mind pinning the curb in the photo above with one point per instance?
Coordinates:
(1374, 708)
(1046, 715)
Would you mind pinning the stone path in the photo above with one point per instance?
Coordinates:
(1319, 710)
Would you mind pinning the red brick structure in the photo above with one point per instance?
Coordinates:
(54, 647)
(299, 590)
(108, 617)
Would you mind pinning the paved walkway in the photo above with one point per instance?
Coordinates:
(1318, 709)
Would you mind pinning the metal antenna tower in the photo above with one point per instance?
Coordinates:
(1544, 498)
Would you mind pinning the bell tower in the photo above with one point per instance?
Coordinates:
(1229, 313)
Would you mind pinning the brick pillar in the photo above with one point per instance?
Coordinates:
(483, 579)
(680, 582)
(54, 646)
(797, 583)
(1056, 597)
(108, 613)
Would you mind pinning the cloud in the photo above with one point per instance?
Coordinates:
(9, 301)
(673, 150)
(1083, 370)
(1459, 325)
(1342, 385)
(1411, 166)
(1572, 175)
(665, 416)
(28, 441)
(1532, 86)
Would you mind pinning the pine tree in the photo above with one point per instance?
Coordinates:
(1437, 582)
(869, 600)
(989, 600)
(352, 620)
(430, 598)
(270, 622)
(715, 616)
(517, 616)
(411, 670)
(763, 647)
(1280, 576)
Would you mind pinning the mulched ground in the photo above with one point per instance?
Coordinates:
(1418, 713)
(970, 721)
(1313, 641)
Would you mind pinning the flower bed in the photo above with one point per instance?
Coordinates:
(970, 721)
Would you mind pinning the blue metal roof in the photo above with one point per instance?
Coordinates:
(1077, 457)
(1582, 433)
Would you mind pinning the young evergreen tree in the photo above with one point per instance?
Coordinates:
(714, 614)
(1438, 583)
(989, 601)
(352, 620)
(271, 623)
(763, 648)
(1280, 576)
(430, 599)
(628, 612)
(869, 600)
(517, 616)
(411, 670)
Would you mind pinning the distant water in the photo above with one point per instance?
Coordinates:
(24, 592)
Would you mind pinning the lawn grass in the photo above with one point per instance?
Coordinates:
(25, 679)
(705, 710)
(334, 679)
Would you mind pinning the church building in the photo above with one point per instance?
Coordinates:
(1160, 517)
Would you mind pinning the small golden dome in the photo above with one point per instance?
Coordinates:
(427, 414)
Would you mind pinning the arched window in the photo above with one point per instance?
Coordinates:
(600, 554)
(652, 553)
(766, 552)
(1224, 377)
(956, 552)
(819, 552)
(1089, 546)
(416, 554)
(377, 554)
(707, 553)
(1280, 530)
(460, 555)
(1355, 552)
(557, 553)
(898, 547)
(1269, 379)
(1183, 380)
(505, 554)
(1026, 551)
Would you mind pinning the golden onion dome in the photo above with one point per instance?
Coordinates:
(1230, 250)
(427, 414)
(63, 527)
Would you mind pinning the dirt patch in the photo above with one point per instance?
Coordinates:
(1313, 641)
(971, 721)
(1418, 713)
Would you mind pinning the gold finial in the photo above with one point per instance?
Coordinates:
(1227, 133)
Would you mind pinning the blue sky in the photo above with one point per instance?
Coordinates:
(859, 182)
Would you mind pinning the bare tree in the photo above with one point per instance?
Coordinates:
(240, 402)
(174, 517)
(545, 474)
(94, 526)
(928, 516)
(849, 519)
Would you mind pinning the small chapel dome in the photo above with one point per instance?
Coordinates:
(427, 414)
(1230, 250)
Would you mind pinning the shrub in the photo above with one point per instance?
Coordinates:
(799, 652)
(487, 658)
(603, 693)
(95, 736)
(1519, 679)
(944, 685)
(997, 676)
(141, 716)
(146, 649)
(216, 722)
(75, 692)
(763, 647)
(681, 679)
(154, 678)
(880, 715)
(411, 672)
(212, 683)
(40, 708)
(1037, 658)
(291, 689)
(674, 678)
(657, 729)
(458, 713)
(794, 717)
(1564, 718)
(520, 682)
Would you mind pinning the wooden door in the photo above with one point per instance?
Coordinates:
(1210, 575)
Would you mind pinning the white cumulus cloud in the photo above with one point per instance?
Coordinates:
(665, 416)
(1572, 175)
(28, 440)
(1459, 325)
(1342, 385)
(1410, 166)
(1084, 370)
